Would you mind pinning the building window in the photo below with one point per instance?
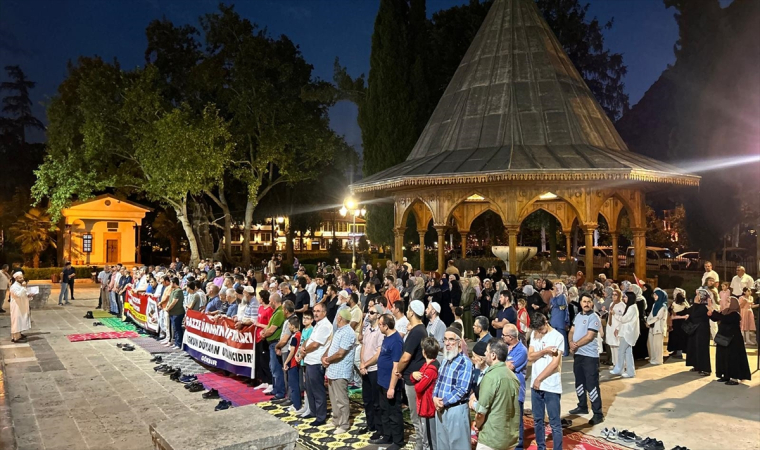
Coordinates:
(357, 229)
(266, 237)
(112, 226)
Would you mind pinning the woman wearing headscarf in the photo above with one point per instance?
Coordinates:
(730, 354)
(535, 302)
(698, 346)
(406, 293)
(627, 333)
(21, 317)
(640, 350)
(482, 275)
(433, 292)
(546, 291)
(512, 281)
(488, 303)
(573, 303)
(499, 274)
(579, 279)
(613, 324)
(418, 293)
(679, 312)
(648, 293)
(447, 315)
(559, 318)
(657, 321)
(468, 296)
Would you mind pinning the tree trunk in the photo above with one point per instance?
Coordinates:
(543, 238)
(36, 261)
(192, 242)
(247, 223)
(289, 236)
(174, 244)
(553, 239)
(227, 225)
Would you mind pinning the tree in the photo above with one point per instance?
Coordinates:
(166, 226)
(35, 232)
(19, 105)
(114, 129)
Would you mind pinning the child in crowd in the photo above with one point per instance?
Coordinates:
(523, 320)
(724, 295)
(424, 382)
(292, 367)
(308, 319)
(458, 311)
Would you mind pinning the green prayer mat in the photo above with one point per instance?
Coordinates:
(117, 324)
(99, 314)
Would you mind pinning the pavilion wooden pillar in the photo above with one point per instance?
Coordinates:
(588, 231)
(398, 249)
(569, 242)
(512, 238)
(640, 252)
(441, 230)
(615, 261)
(422, 249)
(464, 234)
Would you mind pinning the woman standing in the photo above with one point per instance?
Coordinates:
(559, 318)
(640, 349)
(730, 354)
(657, 321)
(489, 303)
(627, 333)
(748, 317)
(418, 293)
(261, 323)
(447, 316)
(468, 296)
(698, 347)
(679, 312)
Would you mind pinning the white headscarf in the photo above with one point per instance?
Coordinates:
(560, 288)
(528, 290)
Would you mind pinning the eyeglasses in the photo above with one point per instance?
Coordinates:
(452, 340)
(372, 313)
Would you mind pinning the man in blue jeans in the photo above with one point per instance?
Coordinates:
(517, 362)
(176, 312)
(67, 276)
(272, 335)
(545, 352)
(311, 352)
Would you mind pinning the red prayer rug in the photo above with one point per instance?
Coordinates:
(232, 390)
(103, 335)
(571, 440)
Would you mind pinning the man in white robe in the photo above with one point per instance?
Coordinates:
(21, 319)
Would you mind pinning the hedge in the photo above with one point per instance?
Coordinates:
(46, 273)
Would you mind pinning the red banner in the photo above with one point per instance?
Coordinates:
(219, 344)
(142, 309)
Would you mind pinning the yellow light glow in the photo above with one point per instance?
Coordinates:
(475, 198)
(280, 220)
(547, 196)
(343, 211)
(350, 203)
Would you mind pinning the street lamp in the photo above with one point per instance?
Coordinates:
(351, 206)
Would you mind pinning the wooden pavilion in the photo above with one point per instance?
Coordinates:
(518, 130)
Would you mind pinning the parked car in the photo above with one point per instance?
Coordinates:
(694, 260)
(658, 258)
(562, 256)
(602, 255)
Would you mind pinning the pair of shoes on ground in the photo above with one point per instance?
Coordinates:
(89, 315)
(157, 359)
(629, 437)
(126, 347)
(211, 394)
(222, 405)
(195, 386)
(384, 440)
(596, 419)
(728, 381)
(284, 401)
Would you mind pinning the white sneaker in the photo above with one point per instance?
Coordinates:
(306, 413)
(262, 386)
(291, 409)
(625, 375)
(269, 390)
(302, 410)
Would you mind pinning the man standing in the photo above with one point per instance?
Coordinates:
(303, 299)
(585, 347)
(391, 430)
(399, 313)
(339, 362)
(319, 290)
(411, 361)
(356, 313)
(21, 319)
(372, 341)
(506, 315)
(5, 283)
(312, 353)
(330, 302)
(66, 274)
(451, 395)
(709, 272)
(517, 362)
(741, 281)
(545, 353)
(480, 327)
(391, 293)
(272, 334)
(176, 312)
(435, 327)
(342, 304)
(497, 411)
(452, 269)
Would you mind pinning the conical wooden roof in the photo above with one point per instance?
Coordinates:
(516, 108)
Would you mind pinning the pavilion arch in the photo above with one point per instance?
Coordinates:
(422, 211)
(613, 204)
(469, 207)
(562, 209)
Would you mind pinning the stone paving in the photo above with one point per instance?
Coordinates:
(92, 395)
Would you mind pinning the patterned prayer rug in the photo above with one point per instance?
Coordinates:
(117, 324)
(574, 440)
(99, 314)
(151, 345)
(322, 438)
(184, 362)
(232, 389)
(104, 335)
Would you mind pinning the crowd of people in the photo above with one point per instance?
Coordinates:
(404, 337)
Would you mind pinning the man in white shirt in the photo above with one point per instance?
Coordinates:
(311, 288)
(741, 281)
(399, 313)
(311, 352)
(546, 378)
(710, 273)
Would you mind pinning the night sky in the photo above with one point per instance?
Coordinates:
(42, 35)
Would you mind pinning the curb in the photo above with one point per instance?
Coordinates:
(7, 436)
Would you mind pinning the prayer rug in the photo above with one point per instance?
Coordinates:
(232, 389)
(574, 440)
(151, 345)
(99, 314)
(104, 335)
(322, 438)
(184, 362)
(117, 324)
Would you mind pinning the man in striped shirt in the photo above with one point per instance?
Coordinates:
(450, 395)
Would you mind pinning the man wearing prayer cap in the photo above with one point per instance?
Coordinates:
(340, 368)
(21, 318)
(450, 396)
(435, 327)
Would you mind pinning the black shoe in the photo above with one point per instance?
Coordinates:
(278, 401)
(120, 345)
(578, 411)
(2, 311)
(319, 423)
(566, 423)
(128, 348)
(175, 375)
(192, 383)
(732, 383)
(196, 387)
(160, 367)
(173, 371)
(213, 393)
(644, 442)
(364, 430)
(655, 445)
(627, 436)
(375, 436)
(721, 380)
(597, 419)
(382, 440)
(157, 359)
(224, 404)
(166, 368)
(86, 316)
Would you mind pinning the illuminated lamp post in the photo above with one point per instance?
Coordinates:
(351, 206)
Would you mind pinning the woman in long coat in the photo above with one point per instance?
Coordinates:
(698, 347)
(468, 296)
(627, 333)
(657, 322)
(679, 312)
(730, 361)
(640, 350)
(447, 316)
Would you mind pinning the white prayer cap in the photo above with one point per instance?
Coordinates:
(18, 274)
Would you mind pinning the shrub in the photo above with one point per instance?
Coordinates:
(46, 273)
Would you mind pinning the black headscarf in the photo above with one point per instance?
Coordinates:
(498, 275)
(630, 301)
(512, 281)
(482, 274)
(456, 293)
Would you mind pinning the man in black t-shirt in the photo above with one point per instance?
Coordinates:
(303, 299)
(411, 361)
(372, 294)
(330, 301)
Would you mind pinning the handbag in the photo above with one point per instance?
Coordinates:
(722, 340)
(689, 327)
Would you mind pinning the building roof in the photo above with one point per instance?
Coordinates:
(93, 203)
(517, 109)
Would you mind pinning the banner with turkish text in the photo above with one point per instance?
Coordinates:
(142, 309)
(219, 344)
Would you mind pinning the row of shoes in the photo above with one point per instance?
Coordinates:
(629, 437)
(126, 347)
(190, 381)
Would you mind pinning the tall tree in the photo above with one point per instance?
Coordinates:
(19, 105)
(115, 129)
(35, 232)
